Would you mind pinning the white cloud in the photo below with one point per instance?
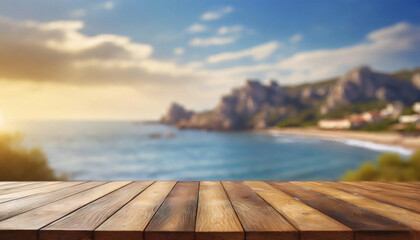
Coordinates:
(196, 28)
(383, 49)
(296, 38)
(259, 52)
(230, 29)
(179, 51)
(108, 5)
(203, 42)
(59, 53)
(78, 13)
(208, 16)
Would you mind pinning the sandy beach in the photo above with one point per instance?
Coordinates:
(387, 138)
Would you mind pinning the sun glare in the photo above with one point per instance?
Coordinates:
(2, 120)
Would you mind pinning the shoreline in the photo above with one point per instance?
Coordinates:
(385, 138)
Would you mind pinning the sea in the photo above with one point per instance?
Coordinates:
(124, 150)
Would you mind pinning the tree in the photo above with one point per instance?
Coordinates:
(389, 167)
(19, 163)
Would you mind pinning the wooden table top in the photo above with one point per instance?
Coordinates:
(166, 210)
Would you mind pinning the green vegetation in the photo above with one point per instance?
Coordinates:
(380, 126)
(411, 128)
(408, 111)
(306, 118)
(311, 116)
(19, 163)
(345, 111)
(389, 167)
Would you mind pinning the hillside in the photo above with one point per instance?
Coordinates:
(255, 105)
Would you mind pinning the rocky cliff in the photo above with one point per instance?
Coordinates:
(362, 85)
(250, 106)
(255, 105)
(176, 113)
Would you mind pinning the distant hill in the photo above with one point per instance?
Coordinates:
(255, 105)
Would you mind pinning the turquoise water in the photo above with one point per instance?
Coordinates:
(140, 151)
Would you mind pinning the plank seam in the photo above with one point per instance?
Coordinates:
(231, 204)
(38, 231)
(376, 199)
(196, 210)
(53, 200)
(147, 225)
(35, 194)
(92, 237)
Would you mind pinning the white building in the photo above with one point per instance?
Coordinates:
(415, 118)
(372, 116)
(334, 124)
(392, 110)
(416, 107)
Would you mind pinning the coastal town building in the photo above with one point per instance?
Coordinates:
(372, 116)
(406, 119)
(416, 107)
(413, 118)
(392, 110)
(334, 124)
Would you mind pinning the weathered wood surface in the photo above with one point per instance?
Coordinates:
(207, 210)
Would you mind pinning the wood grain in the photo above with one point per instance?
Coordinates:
(18, 206)
(26, 186)
(130, 221)
(81, 223)
(216, 219)
(401, 215)
(175, 218)
(395, 188)
(397, 201)
(259, 219)
(311, 223)
(365, 224)
(2, 183)
(6, 185)
(402, 193)
(413, 185)
(37, 190)
(25, 226)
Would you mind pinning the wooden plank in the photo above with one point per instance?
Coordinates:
(38, 190)
(81, 223)
(216, 218)
(394, 187)
(397, 201)
(365, 224)
(396, 192)
(175, 218)
(6, 182)
(414, 185)
(401, 215)
(259, 220)
(312, 224)
(25, 226)
(24, 187)
(8, 185)
(18, 206)
(130, 221)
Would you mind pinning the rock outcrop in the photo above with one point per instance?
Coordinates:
(255, 105)
(245, 107)
(362, 85)
(176, 113)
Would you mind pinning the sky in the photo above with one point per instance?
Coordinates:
(128, 60)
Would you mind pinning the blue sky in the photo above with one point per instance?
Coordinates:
(162, 23)
(160, 48)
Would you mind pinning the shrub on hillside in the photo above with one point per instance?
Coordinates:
(19, 163)
(389, 167)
